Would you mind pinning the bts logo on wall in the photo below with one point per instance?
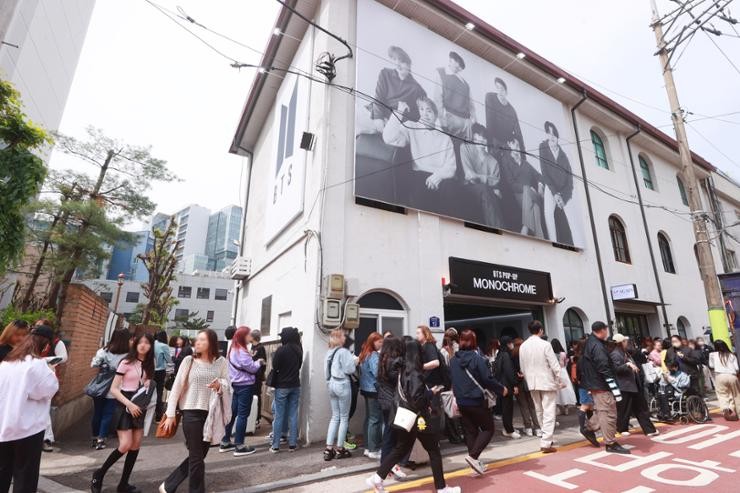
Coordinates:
(450, 133)
(286, 193)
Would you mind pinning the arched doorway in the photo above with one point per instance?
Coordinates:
(683, 326)
(572, 326)
(381, 312)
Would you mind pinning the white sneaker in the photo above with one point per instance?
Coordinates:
(161, 488)
(513, 434)
(366, 452)
(538, 432)
(450, 489)
(625, 433)
(398, 473)
(373, 455)
(654, 434)
(528, 432)
(476, 465)
(376, 483)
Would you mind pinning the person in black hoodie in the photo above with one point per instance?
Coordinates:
(418, 398)
(503, 370)
(391, 362)
(470, 375)
(285, 378)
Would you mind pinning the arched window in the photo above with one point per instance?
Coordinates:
(379, 312)
(647, 177)
(619, 240)
(683, 326)
(665, 253)
(599, 150)
(572, 326)
(682, 191)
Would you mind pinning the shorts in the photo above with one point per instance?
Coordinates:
(584, 397)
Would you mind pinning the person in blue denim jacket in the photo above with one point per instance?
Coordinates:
(373, 427)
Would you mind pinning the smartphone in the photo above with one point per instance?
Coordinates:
(54, 361)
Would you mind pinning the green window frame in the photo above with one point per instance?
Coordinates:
(599, 150)
(647, 177)
(682, 191)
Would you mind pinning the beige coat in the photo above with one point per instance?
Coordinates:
(219, 413)
(539, 364)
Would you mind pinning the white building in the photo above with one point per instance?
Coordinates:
(207, 293)
(192, 229)
(41, 44)
(352, 206)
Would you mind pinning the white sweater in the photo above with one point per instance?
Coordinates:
(729, 368)
(26, 389)
(196, 395)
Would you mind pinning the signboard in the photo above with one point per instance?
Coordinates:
(472, 278)
(442, 130)
(434, 322)
(624, 292)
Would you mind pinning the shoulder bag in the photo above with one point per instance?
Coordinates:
(405, 418)
(449, 404)
(161, 431)
(487, 394)
(101, 383)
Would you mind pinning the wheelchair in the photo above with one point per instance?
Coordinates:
(685, 407)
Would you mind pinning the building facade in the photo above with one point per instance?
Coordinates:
(125, 258)
(466, 182)
(224, 227)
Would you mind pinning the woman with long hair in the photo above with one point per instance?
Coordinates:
(566, 396)
(725, 366)
(470, 375)
(391, 363)
(586, 400)
(242, 373)
(415, 395)
(27, 385)
(339, 365)
(202, 374)
(134, 378)
(523, 397)
(107, 359)
(12, 335)
(373, 426)
(504, 372)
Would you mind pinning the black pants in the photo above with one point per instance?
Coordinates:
(159, 377)
(507, 412)
(194, 466)
(633, 403)
(20, 461)
(478, 424)
(404, 444)
(258, 393)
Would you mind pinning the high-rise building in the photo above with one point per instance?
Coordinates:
(124, 258)
(223, 234)
(192, 229)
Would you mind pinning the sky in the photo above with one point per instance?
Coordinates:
(147, 81)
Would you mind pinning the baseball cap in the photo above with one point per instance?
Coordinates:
(620, 338)
(43, 331)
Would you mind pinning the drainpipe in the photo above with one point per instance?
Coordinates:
(604, 295)
(242, 235)
(666, 323)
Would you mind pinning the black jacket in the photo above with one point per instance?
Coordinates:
(626, 377)
(260, 353)
(504, 371)
(690, 362)
(387, 381)
(466, 391)
(287, 360)
(595, 366)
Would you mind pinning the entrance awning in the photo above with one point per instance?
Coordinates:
(637, 306)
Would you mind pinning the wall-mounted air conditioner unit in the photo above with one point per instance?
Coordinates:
(241, 268)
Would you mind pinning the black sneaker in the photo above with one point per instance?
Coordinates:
(329, 454)
(590, 436)
(226, 447)
(292, 448)
(96, 483)
(615, 448)
(47, 446)
(343, 453)
(244, 450)
(100, 444)
(127, 488)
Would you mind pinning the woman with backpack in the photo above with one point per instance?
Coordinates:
(131, 386)
(373, 426)
(413, 395)
(340, 364)
(471, 381)
(107, 360)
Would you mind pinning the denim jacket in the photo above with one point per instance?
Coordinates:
(369, 374)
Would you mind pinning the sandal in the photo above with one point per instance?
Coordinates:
(329, 454)
(343, 453)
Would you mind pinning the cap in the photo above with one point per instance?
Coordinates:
(620, 338)
(43, 331)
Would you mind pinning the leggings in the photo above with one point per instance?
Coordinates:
(404, 443)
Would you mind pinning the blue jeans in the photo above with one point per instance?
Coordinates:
(102, 416)
(373, 424)
(241, 405)
(286, 415)
(340, 394)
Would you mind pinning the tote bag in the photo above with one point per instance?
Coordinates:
(405, 418)
(101, 383)
(449, 404)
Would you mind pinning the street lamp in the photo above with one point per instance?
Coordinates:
(121, 277)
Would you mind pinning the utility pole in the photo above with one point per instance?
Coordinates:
(715, 303)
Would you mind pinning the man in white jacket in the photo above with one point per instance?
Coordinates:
(541, 370)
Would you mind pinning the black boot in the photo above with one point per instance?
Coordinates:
(96, 483)
(128, 467)
(588, 434)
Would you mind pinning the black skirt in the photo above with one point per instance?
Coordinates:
(124, 420)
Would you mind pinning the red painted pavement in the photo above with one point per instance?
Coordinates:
(704, 457)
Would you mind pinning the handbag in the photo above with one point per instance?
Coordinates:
(487, 394)
(405, 418)
(449, 404)
(100, 384)
(169, 433)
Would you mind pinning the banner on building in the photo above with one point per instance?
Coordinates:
(441, 130)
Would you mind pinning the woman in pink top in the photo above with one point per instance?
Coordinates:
(654, 355)
(131, 383)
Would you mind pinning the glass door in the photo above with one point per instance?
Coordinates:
(378, 321)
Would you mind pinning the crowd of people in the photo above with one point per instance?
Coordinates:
(415, 389)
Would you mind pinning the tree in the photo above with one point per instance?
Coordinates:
(21, 172)
(160, 262)
(193, 322)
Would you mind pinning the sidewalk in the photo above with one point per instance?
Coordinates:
(69, 469)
